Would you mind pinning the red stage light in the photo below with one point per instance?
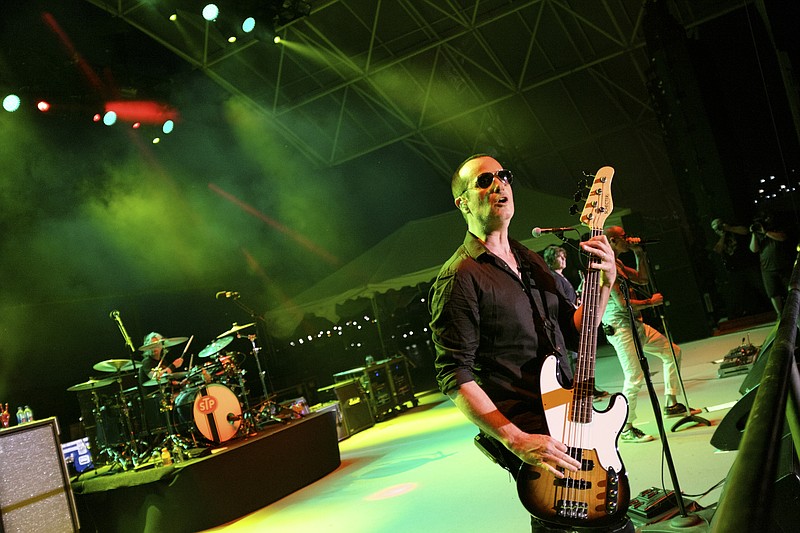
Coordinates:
(144, 111)
(43, 106)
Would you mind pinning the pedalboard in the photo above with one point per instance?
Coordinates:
(653, 502)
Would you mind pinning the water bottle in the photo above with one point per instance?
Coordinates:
(28, 412)
(166, 458)
(20, 416)
(177, 454)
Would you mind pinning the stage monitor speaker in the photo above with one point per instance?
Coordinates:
(35, 494)
(753, 378)
(356, 411)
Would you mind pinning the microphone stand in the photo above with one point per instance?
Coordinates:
(684, 520)
(261, 372)
(689, 417)
(127, 338)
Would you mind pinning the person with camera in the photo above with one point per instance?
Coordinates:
(775, 254)
(741, 268)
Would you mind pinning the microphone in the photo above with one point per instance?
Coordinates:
(113, 314)
(638, 240)
(538, 232)
(233, 295)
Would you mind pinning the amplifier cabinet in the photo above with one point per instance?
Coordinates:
(355, 407)
(35, 493)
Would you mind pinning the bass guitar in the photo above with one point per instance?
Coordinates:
(597, 494)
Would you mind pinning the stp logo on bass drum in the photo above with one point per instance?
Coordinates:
(206, 404)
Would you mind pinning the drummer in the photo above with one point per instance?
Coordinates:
(150, 368)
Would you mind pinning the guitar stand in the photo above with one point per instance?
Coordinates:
(685, 521)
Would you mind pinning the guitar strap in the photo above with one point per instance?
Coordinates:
(545, 328)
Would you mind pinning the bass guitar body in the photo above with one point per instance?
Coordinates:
(596, 495)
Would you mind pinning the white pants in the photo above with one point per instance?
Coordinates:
(653, 343)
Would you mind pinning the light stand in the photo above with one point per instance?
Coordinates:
(689, 417)
(684, 522)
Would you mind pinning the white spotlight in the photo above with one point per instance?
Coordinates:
(210, 12)
(11, 103)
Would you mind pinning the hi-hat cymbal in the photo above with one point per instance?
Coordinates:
(236, 327)
(114, 365)
(91, 384)
(164, 343)
(215, 346)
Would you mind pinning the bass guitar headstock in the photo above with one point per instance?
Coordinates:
(599, 203)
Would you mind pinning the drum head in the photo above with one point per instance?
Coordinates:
(216, 411)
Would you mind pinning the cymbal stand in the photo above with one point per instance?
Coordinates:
(134, 448)
(100, 426)
(266, 404)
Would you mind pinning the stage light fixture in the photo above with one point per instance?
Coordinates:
(110, 118)
(43, 106)
(277, 39)
(168, 126)
(11, 103)
(210, 12)
(248, 25)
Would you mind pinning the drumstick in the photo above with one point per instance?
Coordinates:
(187, 348)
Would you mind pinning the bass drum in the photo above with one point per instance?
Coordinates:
(211, 410)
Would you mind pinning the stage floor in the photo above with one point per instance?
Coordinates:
(421, 472)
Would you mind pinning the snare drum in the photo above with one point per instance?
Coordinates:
(212, 410)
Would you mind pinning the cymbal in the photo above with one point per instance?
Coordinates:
(236, 327)
(215, 346)
(91, 384)
(164, 343)
(174, 376)
(114, 365)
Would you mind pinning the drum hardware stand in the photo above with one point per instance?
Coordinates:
(171, 439)
(131, 447)
(267, 402)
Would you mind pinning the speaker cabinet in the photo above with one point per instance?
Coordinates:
(354, 405)
(785, 516)
(35, 494)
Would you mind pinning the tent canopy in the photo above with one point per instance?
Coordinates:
(415, 252)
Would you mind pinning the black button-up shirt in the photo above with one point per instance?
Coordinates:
(495, 328)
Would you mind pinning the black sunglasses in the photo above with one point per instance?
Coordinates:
(485, 179)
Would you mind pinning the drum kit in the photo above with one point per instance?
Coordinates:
(189, 410)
